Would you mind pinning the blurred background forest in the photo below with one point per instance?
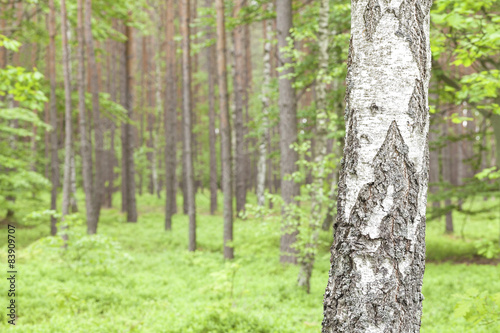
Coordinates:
(144, 165)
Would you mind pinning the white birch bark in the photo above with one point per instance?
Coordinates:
(261, 163)
(378, 254)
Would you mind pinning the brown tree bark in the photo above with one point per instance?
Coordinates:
(68, 144)
(288, 129)
(187, 126)
(86, 149)
(54, 161)
(447, 175)
(225, 130)
(129, 143)
(170, 119)
(211, 67)
(239, 97)
(96, 119)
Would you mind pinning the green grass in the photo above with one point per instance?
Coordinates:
(160, 287)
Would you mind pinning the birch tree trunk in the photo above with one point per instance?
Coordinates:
(68, 119)
(170, 119)
(84, 140)
(378, 254)
(225, 130)
(187, 127)
(210, 55)
(288, 128)
(318, 173)
(261, 163)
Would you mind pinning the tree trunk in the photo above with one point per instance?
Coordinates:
(170, 119)
(54, 161)
(84, 140)
(67, 115)
(447, 176)
(225, 130)
(320, 150)
(239, 94)
(261, 164)
(378, 253)
(187, 128)
(434, 164)
(210, 55)
(288, 129)
(96, 119)
(129, 106)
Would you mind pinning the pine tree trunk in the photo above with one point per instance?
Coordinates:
(187, 126)
(225, 129)
(320, 149)
(239, 92)
(129, 99)
(211, 63)
(85, 146)
(96, 119)
(378, 253)
(170, 119)
(54, 161)
(288, 129)
(261, 163)
(68, 118)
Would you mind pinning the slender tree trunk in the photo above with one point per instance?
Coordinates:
(288, 129)
(96, 119)
(447, 177)
(54, 161)
(239, 95)
(434, 165)
(261, 164)
(170, 119)
(85, 146)
(158, 107)
(187, 127)
(129, 106)
(378, 253)
(319, 173)
(72, 200)
(68, 119)
(211, 63)
(225, 129)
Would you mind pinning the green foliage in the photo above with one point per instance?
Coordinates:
(487, 248)
(479, 308)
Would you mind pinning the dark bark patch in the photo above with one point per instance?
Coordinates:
(372, 16)
(351, 148)
(417, 108)
(411, 27)
(393, 298)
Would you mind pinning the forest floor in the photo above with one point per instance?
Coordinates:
(139, 278)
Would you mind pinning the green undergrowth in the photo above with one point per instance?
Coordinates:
(140, 278)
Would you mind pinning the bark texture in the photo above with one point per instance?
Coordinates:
(211, 66)
(225, 129)
(67, 106)
(170, 119)
(54, 160)
(261, 163)
(378, 254)
(288, 128)
(187, 126)
(239, 96)
(85, 146)
(96, 119)
(128, 92)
